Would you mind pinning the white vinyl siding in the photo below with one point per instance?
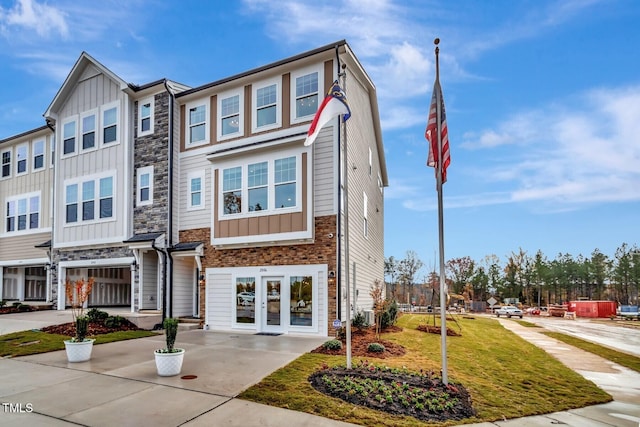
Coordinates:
(194, 164)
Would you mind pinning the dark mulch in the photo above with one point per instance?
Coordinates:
(437, 330)
(445, 402)
(360, 340)
(24, 308)
(95, 328)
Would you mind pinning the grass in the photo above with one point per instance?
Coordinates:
(33, 342)
(623, 359)
(506, 376)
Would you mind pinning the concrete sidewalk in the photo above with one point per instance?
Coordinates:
(119, 385)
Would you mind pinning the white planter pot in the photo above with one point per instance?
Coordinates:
(169, 364)
(79, 351)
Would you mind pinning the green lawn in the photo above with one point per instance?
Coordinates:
(33, 342)
(506, 376)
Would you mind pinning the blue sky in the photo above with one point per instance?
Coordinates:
(542, 98)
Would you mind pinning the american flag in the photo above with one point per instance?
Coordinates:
(432, 133)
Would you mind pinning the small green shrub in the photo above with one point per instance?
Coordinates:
(82, 326)
(24, 307)
(359, 321)
(113, 322)
(390, 315)
(375, 347)
(171, 332)
(96, 315)
(2, 303)
(332, 345)
(16, 304)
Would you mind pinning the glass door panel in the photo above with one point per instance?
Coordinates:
(272, 289)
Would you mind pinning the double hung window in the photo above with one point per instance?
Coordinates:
(145, 186)
(196, 190)
(110, 125)
(38, 154)
(6, 163)
(23, 213)
(22, 154)
(83, 197)
(69, 137)
(145, 117)
(88, 123)
(197, 124)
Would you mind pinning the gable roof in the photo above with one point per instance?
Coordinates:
(75, 74)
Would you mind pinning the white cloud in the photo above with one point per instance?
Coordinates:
(31, 16)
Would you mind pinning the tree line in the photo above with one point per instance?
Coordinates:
(534, 280)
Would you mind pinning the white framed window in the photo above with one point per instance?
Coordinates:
(144, 195)
(89, 199)
(38, 154)
(196, 190)
(69, 132)
(232, 190)
(285, 180)
(365, 218)
(230, 117)
(258, 186)
(370, 162)
(380, 186)
(106, 197)
(71, 203)
(306, 93)
(22, 159)
(23, 213)
(6, 163)
(197, 123)
(145, 116)
(110, 121)
(263, 186)
(88, 130)
(267, 106)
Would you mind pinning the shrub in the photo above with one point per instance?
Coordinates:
(390, 315)
(96, 315)
(2, 303)
(332, 345)
(113, 322)
(375, 347)
(82, 325)
(24, 307)
(17, 304)
(171, 331)
(359, 321)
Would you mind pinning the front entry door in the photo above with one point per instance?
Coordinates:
(272, 304)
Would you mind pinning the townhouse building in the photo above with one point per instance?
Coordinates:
(204, 202)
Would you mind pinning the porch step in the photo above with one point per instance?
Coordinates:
(188, 323)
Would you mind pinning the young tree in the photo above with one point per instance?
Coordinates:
(460, 270)
(600, 266)
(391, 271)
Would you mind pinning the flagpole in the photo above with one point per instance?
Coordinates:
(343, 74)
(443, 292)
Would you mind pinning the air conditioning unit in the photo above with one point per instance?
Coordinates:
(369, 317)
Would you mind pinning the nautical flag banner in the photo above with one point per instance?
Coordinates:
(432, 133)
(334, 104)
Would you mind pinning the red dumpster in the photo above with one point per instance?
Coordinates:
(602, 309)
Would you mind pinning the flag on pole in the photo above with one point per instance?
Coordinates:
(334, 104)
(432, 133)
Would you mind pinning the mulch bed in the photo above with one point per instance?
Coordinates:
(11, 309)
(95, 328)
(407, 386)
(437, 330)
(360, 340)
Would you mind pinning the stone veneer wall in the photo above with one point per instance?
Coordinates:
(153, 150)
(322, 251)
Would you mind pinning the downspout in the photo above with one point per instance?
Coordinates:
(164, 282)
(170, 196)
(53, 219)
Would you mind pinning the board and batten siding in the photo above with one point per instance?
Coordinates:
(325, 172)
(93, 91)
(184, 278)
(191, 162)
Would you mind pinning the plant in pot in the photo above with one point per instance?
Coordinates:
(169, 359)
(79, 347)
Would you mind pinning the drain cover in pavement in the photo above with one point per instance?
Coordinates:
(189, 377)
